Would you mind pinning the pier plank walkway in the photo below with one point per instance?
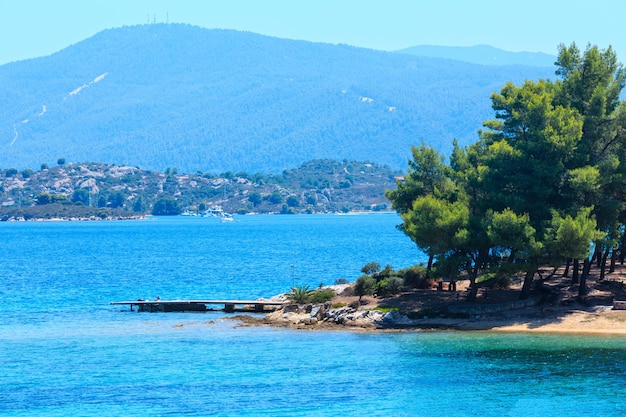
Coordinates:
(229, 306)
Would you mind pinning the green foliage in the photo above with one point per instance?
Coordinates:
(545, 180)
(139, 206)
(370, 268)
(80, 196)
(293, 201)
(364, 285)
(513, 233)
(255, 198)
(117, 199)
(11, 172)
(299, 294)
(321, 296)
(573, 237)
(44, 198)
(61, 161)
(389, 286)
(276, 197)
(414, 276)
(166, 207)
(427, 175)
(311, 200)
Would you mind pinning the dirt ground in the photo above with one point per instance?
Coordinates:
(564, 314)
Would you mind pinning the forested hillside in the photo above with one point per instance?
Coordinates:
(171, 95)
(102, 190)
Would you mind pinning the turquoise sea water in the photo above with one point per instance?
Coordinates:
(64, 351)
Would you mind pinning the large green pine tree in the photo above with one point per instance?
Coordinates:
(545, 180)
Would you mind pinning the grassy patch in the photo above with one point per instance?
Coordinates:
(385, 309)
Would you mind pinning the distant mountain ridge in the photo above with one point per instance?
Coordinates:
(482, 55)
(172, 95)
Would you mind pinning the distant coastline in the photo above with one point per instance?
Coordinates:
(97, 190)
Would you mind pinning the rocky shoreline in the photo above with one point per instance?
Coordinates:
(375, 315)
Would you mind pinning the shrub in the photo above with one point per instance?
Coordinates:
(389, 286)
(43, 198)
(503, 282)
(292, 201)
(341, 281)
(321, 296)
(386, 272)
(276, 197)
(255, 198)
(413, 276)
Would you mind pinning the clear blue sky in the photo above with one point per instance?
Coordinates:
(32, 28)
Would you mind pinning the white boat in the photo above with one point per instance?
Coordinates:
(215, 211)
(227, 218)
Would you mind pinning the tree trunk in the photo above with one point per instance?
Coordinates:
(429, 266)
(528, 284)
(568, 261)
(622, 252)
(471, 296)
(582, 289)
(575, 267)
(603, 264)
(597, 255)
(613, 260)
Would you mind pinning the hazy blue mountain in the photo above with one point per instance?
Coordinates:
(171, 95)
(483, 55)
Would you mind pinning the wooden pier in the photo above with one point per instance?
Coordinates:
(229, 306)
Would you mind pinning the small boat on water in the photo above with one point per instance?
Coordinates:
(215, 211)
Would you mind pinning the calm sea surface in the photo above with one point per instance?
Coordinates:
(64, 351)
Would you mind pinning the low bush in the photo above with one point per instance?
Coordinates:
(389, 286)
(413, 276)
(321, 296)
